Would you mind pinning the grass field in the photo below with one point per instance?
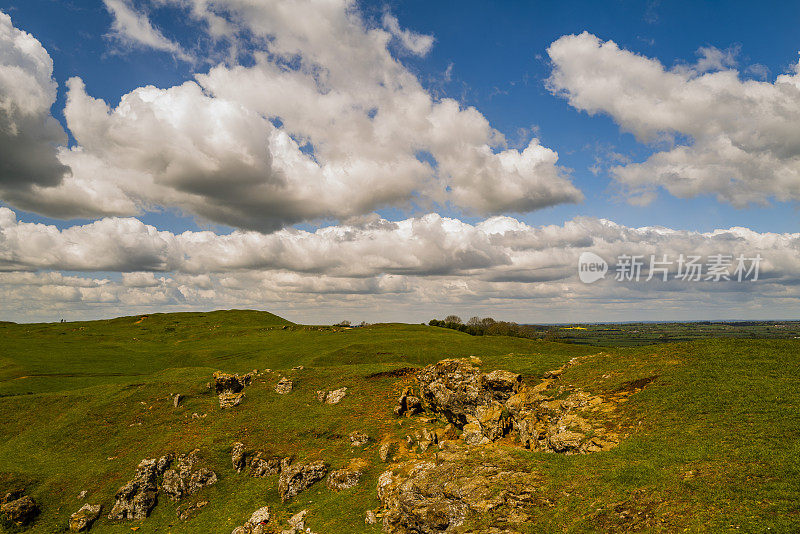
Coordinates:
(713, 440)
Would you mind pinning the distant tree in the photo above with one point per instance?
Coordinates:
(455, 319)
(474, 321)
(364, 323)
(343, 323)
(486, 322)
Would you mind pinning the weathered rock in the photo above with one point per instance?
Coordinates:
(408, 404)
(296, 478)
(321, 395)
(230, 383)
(387, 450)
(263, 465)
(238, 459)
(358, 439)
(493, 421)
(135, 499)
(348, 477)
(426, 497)
(502, 384)
(335, 396)
(82, 520)
(257, 524)
(229, 400)
(20, 511)
(176, 400)
(452, 388)
(284, 386)
(186, 478)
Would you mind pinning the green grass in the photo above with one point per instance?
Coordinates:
(83, 403)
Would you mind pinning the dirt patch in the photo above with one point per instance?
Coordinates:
(395, 373)
(636, 385)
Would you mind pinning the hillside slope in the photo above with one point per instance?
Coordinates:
(710, 443)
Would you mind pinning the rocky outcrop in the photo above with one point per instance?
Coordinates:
(188, 511)
(263, 465)
(229, 387)
(284, 386)
(331, 397)
(20, 510)
(187, 477)
(135, 499)
(82, 520)
(431, 497)
(348, 477)
(298, 477)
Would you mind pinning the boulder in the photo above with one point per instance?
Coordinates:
(408, 404)
(135, 499)
(348, 477)
(298, 477)
(502, 384)
(186, 478)
(20, 511)
(257, 524)
(230, 383)
(452, 388)
(284, 386)
(335, 396)
(263, 465)
(82, 520)
(238, 459)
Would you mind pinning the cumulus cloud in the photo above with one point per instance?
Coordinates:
(390, 270)
(29, 135)
(134, 28)
(743, 134)
(324, 124)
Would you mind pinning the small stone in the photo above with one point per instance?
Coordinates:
(370, 518)
(321, 395)
(284, 386)
(335, 396)
(229, 400)
(176, 400)
(387, 451)
(358, 439)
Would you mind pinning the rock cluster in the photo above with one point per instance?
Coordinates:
(258, 463)
(82, 520)
(18, 509)
(298, 477)
(186, 477)
(257, 524)
(331, 397)
(487, 407)
(135, 499)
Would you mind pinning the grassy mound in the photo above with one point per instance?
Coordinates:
(712, 440)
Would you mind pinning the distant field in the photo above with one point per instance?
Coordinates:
(713, 442)
(635, 334)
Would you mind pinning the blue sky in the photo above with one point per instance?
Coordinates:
(490, 56)
(499, 65)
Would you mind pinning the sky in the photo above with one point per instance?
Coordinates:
(399, 161)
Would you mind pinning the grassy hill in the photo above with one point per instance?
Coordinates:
(712, 440)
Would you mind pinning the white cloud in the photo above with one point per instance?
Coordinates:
(29, 135)
(326, 124)
(403, 269)
(415, 43)
(134, 28)
(743, 133)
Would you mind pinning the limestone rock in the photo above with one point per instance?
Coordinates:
(502, 384)
(284, 386)
(263, 465)
(257, 524)
(408, 404)
(135, 499)
(238, 456)
(387, 450)
(348, 477)
(229, 400)
(230, 383)
(185, 512)
(321, 395)
(335, 396)
(296, 478)
(186, 478)
(20, 511)
(82, 520)
(176, 400)
(358, 439)
(370, 518)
